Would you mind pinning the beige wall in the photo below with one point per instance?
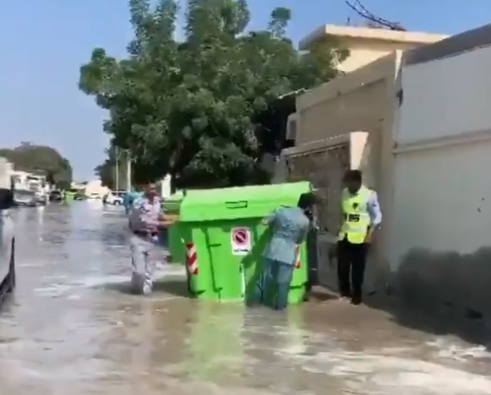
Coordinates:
(362, 101)
(96, 187)
(434, 245)
(368, 44)
(365, 51)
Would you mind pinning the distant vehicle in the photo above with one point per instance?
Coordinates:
(7, 244)
(40, 196)
(55, 196)
(25, 198)
(129, 198)
(114, 199)
(80, 195)
(119, 193)
(40, 199)
(93, 195)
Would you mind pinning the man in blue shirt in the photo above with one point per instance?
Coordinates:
(129, 198)
(289, 226)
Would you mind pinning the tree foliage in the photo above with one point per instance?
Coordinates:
(190, 108)
(113, 176)
(40, 159)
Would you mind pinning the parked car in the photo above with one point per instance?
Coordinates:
(114, 199)
(94, 196)
(7, 245)
(80, 195)
(55, 196)
(40, 198)
(120, 194)
(25, 198)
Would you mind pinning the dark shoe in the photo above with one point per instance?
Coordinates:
(356, 300)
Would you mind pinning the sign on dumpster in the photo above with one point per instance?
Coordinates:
(241, 241)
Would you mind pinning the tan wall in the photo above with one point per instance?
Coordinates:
(367, 44)
(95, 187)
(363, 100)
(437, 242)
(363, 51)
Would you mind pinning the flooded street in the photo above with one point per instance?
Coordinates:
(73, 328)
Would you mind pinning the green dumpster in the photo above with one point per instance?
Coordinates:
(68, 196)
(224, 239)
(171, 205)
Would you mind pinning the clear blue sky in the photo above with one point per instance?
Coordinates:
(44, 42)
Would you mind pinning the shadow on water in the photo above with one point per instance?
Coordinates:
(437, 320)
(432, 315)
(176, 287)
(444, 294)
(171, 286)
(319, 295)
(121, 287)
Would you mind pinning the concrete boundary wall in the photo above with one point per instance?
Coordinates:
(439, 247)
(429, 132)
(365, 100)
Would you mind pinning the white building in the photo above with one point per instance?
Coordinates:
(5, 170)
(95, 189)
(28, 181)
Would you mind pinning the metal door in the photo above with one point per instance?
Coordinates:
(325, 169)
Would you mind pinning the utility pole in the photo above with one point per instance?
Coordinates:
(116, 154)
(128, 171)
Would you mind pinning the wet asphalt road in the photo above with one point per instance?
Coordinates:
(72, 328)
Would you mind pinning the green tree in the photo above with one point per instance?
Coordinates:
(190, 108)
(40, 159)
(113, 176)
(106, 172)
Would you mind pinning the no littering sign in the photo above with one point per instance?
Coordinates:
(241, 241)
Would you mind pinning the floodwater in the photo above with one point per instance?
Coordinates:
(72, 328)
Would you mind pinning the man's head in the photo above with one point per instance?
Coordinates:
(306, 202)
(353, 180)
(150, 190)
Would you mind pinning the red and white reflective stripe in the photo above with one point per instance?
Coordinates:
(298, 262)
(191, 258)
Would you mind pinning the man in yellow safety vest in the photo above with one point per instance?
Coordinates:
(361, 216)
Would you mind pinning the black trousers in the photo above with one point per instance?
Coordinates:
(312, 264)
(352, 259)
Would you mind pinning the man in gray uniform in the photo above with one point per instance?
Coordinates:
(146, 222)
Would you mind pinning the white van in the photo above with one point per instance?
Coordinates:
(115, 198)
(7, 244)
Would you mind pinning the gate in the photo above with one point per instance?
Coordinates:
(323, 163)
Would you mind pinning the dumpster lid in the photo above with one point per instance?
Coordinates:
(175, 197)
(239, 202)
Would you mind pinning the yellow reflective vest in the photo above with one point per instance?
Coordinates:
(356, 215)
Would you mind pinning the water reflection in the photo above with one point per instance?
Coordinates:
(215, 349)
(74, 328)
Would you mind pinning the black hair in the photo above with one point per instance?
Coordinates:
(353, 175)
(306, 200)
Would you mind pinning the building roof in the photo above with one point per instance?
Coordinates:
(451, 46)
(367, 33)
